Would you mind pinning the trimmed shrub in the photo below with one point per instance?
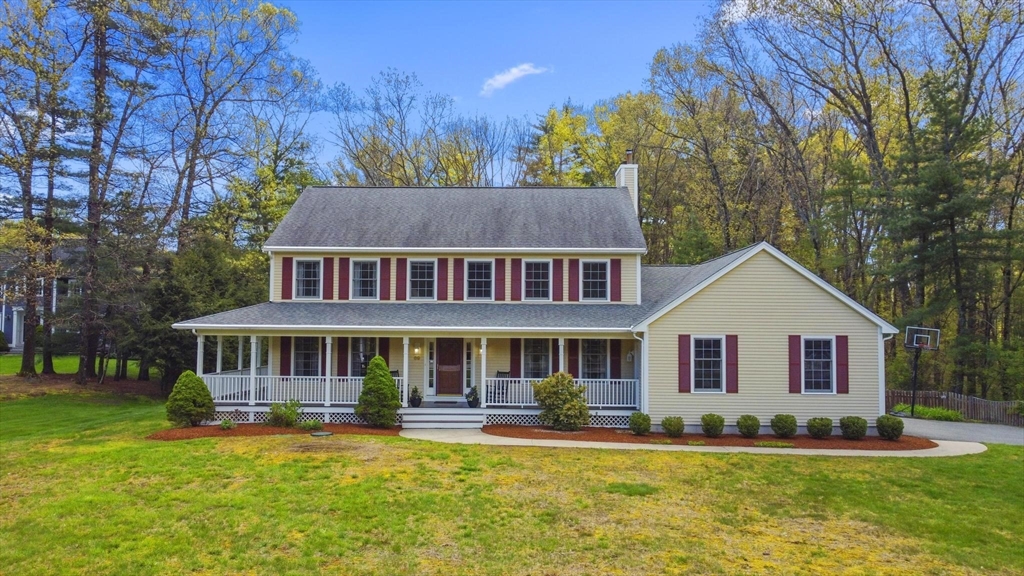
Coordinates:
(640, 423)
(889, 427)
(819, 427)
(784, 425)
(311, 425)
(227, 424)
(561, 401)
(4, 346)
(379, 401)
(673, 426)
(853, 427)
(712, 425)
(749, 426)
(190, 402)
(284, 415)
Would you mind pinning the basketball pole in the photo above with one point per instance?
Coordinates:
(913, 385)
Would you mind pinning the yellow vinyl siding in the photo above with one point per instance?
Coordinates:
(763, 301)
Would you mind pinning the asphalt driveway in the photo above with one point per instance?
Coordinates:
(964, 431)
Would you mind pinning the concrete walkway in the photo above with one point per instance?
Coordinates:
(469, 436)
(964, 431)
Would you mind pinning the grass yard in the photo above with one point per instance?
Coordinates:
(11, 363)
(82, 491)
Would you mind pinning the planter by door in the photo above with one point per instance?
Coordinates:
(449, 366)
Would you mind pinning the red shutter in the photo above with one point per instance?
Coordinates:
(384, 350)
(515, 367)
(517, 279)
(842, 365)
(286, 278)
(732, 374)
(556, 280)
(616, 274)
(323, 357)
(385, 278)
(615, 360)
(574, 280)
(554, 355)
(794, 365)
(442, 279)
(328, 279)
(401, 269)
(343, 283)
(684, 363)
(499, 279)
(459, 279)
(286, 355)
(342, 353)
(574, 357)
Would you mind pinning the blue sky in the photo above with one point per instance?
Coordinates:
(586, 51)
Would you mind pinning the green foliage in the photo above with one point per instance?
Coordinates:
(416, 394)
(819, 427)
(664, 441)
(640, 424)
(889, 427)
(630, 488)
(784, 425)
(561, 401)
(1018, 408)
(673, 426)
(226, 424)
(284, 415)
(696, 443)
(379, 401)
(190, 403)
(929, 413)
(473, 396)
(748, 425)
(4, 346)
(311, 425)
(772, 444)
(853, 427)
(712, 425)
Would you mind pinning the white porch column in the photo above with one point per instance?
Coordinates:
(405, 371)
(270, 355)
(200, 351)
(220, 353)
(561, 356)
(241, 352)
(254, 355)
(328, 360)
(483, 372)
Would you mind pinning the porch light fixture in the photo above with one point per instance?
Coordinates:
(629, 357)
(416, 353)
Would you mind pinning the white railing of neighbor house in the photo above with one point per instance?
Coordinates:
(600, 393)
(277, 389)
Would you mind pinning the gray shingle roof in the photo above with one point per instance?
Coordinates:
(504, 218)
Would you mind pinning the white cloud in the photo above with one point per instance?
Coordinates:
(502, 79)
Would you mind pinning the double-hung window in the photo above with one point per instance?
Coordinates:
(306, 356)
(818, 365)
(479, 280)
(594, 359)
(594, 278)
(536, 358)
(307, 279)
(537, 280)
(708, 363)
(422, 279)
(364, 279)
(363, 350)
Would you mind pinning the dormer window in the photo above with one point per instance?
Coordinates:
(480, 280)
(537, 280)
(364, 279)
(595, 280)
(422, 279)
(307, 279)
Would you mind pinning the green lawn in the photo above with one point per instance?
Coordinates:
(11, 363)
(82, 491)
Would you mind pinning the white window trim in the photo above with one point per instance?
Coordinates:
(693, 363)
(408, 279)
(803, 363)
(295, 278)
(465, 280)
(522, 280)
(352, 276)
(607, 359)
(607, 280)
(319, 357)
(522, 356)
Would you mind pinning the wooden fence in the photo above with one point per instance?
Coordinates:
(972, 408)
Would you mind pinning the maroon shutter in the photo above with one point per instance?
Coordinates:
(323, 357)
(385, 278)
(574, 280)
(342, 356)
(615, 360)
(517, 279)
(328, 279)
(554, 355)
(442, 279)
(286, 355)
(343, 283)
(842, 365)
(401, 269)
(732, 374)
(616, 274)
(556, 280)
(286, 278)
(574, 357)
(515, 367)
(384, 350)
(684, 363)
(499, 279)
(794, 365)
(459, 279)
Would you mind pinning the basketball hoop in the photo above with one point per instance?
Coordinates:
(919, 338)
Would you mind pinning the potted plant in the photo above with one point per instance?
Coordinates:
(473, 397)
(415, 397)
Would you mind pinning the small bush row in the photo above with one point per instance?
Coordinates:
(782, 425)
(927, 413)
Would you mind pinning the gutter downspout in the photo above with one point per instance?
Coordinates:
(642, 393)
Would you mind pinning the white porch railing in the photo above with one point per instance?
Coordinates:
(232, 387)
(600, 393)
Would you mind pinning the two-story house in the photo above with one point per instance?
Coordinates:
(499, 287)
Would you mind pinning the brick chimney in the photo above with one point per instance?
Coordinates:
(626, 176)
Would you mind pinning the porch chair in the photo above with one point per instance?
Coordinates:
(394, 373)
(501, 388)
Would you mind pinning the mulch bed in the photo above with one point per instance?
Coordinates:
(619, 435)
(13, 387)
(263, 430)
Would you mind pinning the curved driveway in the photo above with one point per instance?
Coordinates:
(964, 431)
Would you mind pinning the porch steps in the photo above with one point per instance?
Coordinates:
(443, 418)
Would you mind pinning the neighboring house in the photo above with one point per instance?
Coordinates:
(499, 287)
(12, 301)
